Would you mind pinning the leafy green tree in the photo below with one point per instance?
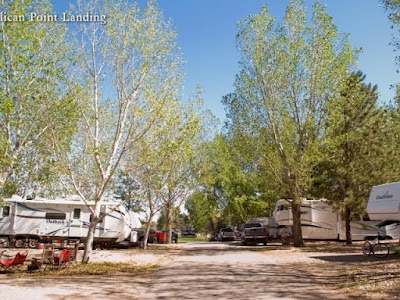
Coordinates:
(176, 219)
(125, 71)
(393, 8)
(353, 150)
(34, 103)
(166, 162)
(202, 212)
(126, 187)
(287, 74)
(230, 186)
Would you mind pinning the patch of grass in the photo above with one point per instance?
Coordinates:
(98, 268)
(104, 268)
(159, 247)
(197, 239)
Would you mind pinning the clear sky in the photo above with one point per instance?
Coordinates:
(207, 29)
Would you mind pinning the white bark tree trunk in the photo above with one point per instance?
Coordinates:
(89, 242)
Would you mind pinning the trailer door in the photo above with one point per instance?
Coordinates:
(5, 222)
(75, 227)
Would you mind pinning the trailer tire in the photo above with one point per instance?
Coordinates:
(4, 242)
(33, 243)
(19, 243)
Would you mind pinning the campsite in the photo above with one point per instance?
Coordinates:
(227, 270)
(199, 149)
(189, 269)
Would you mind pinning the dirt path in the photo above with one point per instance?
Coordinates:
(198, 271)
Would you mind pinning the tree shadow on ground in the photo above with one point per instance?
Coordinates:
(192, 281)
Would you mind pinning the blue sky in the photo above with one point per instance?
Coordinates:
(207, 29)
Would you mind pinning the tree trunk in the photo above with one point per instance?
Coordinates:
(89, 242)
(214, 230)
(297, 233)
(4, 175)
(146, 233)
(348, 230)
(168, 225)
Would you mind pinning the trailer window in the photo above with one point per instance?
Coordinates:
(283, 207)
(55, 216)
(6, 211)
(77, 213)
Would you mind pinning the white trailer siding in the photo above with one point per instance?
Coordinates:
(44, 219)
(384, 202)
(393, 230)
(320, 221)
(361, 229)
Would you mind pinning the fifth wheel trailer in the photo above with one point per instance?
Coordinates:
(30, 221)
(384, 204)
(320, 221)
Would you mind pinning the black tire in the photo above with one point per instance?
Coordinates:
(366, 248)
(33, 244)
(380, 250)
(4, 242)
(19, 243)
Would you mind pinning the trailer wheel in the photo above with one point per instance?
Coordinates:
(33, 243)
(19, 243)
(4, 242)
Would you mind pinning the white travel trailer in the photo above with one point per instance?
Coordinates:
(320, 221)
(384, 204)
(26, 222)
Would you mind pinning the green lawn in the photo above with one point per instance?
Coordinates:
(199, 238)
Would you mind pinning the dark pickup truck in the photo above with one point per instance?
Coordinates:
(254, 233)
(260, 230)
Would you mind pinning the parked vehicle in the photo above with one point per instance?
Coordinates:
(174, 236)
(320, 221)
(188, 233)
(226, 234)
(259, 230)
(25, 222)
(162, 236)
(140, 236)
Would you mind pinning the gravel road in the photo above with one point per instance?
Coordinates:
(196, 271)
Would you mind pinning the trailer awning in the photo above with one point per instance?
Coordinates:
(387, 222)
